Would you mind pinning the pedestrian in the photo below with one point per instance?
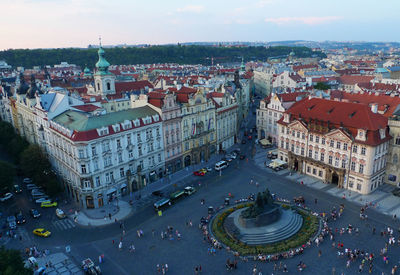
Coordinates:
(109, 215)
(166, 267)
(113, 242)
(120, 246)
(319, 253)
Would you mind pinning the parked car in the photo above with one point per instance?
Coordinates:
(48, 204)
(17, 189)
(60, 214)
(39, 201)
(27, 180)
(11, 222)
(34, 213)
(37, 193)
(6, 197)
(199, 173)
(189, 190)
(31, 186)
(20, 218)
(40, 196)
(208, 169)
(41, 232)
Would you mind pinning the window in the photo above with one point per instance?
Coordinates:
(118, 143)
(343, 163)
(397, 141)
(320, 173)
(292, 147)
(120, 157)
(81, 154)
(355, 149)
(140, 150)
(293, 132)
(322, 157)
(298, 134)
(303, 136)
(121, 172)
(282, 143)
(323, 141)
(331, 144)
(96, 165)
(107, 161)
(338, 145)
(83, 169)
(302, 151)
(186, 146)
(345, 146)
(337, 162)
(314, 171)
(287, 131)
(363, 150)
(310, 153)
(316, 155)
(282, 130)
(130, 154)
(395, 159)
(94, 153)
(308, 169)
(317, 139)
(159, 157)
(330, 160)
(287, 145)
(351, 184)
(105, 146)
(311, 138)
(361, 168)
(97, 181)
(139, 139)
(353, 166)
(358, 186)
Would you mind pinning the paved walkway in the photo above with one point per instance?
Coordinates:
(60, 264)
(381, 199)
(121, 208)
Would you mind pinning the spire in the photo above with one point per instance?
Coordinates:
(242, 66)
(102, 64)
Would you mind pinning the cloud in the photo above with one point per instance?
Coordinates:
(311, 20)
(263, 3)
(191, 9)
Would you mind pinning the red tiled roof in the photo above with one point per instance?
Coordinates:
(215, 94)
(289, 97)
(156, 98)
(352, 116)
(385, 102)
(132, 86)
(86, 107)
(306, 66)
(354, 79)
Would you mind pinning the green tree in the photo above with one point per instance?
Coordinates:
(7, 174)
(34, 164)
(322, 86)
(11, 262)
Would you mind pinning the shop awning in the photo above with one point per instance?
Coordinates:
(111, 190)
(265, 142)
(276, 163)
(123, 185)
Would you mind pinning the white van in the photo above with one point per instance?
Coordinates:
(221, 165)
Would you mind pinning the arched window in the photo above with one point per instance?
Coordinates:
(98, 86)
(395, 159)
(108, 86)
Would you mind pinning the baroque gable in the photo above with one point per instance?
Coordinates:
(298, 125)
(338, 134)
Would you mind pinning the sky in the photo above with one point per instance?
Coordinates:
(78, 23)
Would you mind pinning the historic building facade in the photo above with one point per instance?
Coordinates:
(338, 142)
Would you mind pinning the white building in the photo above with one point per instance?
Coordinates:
(341, 143)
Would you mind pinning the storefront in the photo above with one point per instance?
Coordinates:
(124, 189)
(89, 202)
(111, 193)
(100, 200)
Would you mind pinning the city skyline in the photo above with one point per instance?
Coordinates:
(73, 23)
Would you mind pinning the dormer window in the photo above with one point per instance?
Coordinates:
(361, 134)
(286, 118)
(382, 133)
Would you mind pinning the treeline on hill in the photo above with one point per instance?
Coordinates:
(26, 159)
(149, 55)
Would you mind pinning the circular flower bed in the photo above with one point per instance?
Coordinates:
(309, 229)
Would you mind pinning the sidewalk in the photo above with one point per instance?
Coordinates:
(382, 198)
(121, 209)
(60, 264)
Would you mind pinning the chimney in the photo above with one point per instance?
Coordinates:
(374, 108)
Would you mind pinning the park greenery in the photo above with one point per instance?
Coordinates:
(309, 229)
(190, 54)
(322, 86)
(30, 160)
(11, 262)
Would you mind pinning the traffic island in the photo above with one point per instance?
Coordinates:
(256, 228)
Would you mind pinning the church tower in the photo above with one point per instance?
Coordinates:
(104, 81)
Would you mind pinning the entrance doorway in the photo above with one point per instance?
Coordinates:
(89, 202)
(187, 161)
(335, 178)
(296, 165)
